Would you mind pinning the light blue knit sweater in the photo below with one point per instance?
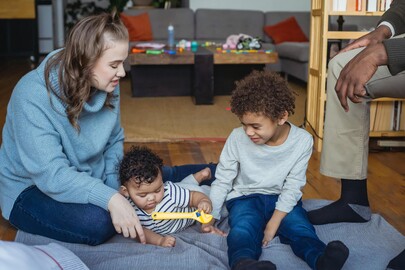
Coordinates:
(40, 147)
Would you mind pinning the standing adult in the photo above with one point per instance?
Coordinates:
(372, 66)
(62, 141)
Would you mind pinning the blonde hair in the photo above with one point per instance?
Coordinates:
(84, 46)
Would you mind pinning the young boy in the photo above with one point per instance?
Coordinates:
(260, 175)
(140, 174)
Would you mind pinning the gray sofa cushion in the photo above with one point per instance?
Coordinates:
(181, 18)
(215, 24)
(298, 51)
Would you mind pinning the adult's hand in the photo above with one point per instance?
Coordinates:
(354, 76)
(124, 218)
(376, 36)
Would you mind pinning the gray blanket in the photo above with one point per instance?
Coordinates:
(372, 245)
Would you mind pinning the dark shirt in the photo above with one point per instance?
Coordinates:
(395, 15)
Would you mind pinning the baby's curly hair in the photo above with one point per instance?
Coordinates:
(263, 92)
(140, 165)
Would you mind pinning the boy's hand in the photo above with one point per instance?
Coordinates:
(269, 234)
(205, 205)
(210, 228)
(167, 241)
(272, 226)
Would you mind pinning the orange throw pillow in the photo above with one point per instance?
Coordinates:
(139, 27)
(287, 30)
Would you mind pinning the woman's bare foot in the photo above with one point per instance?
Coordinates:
(202, 175)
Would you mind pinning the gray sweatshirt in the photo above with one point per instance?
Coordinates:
(246, 168)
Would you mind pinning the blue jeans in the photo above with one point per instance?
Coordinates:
(35, 212)
(178, 173)
(248, 216)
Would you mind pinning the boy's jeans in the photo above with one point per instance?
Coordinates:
(34, 212)
(248, 216)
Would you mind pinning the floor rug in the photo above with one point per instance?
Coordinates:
(372, 245)
(165, 119)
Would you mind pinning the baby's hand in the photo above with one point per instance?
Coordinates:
(205, 205)
(167, 241)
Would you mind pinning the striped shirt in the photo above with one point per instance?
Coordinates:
(175, 199)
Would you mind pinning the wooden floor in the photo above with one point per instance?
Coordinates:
(386, 182)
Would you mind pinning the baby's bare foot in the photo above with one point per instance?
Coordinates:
(167, 241)
(202, 175)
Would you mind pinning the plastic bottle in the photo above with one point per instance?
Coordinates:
(170, 41)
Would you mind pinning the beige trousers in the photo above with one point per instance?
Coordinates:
(346, 134)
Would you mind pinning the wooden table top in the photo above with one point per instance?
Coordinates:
(183, 58)
(187, 57)
(241, 57)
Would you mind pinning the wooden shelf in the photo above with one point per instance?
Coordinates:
(355, 13)
(320, 35)
(387, 133)
(344, 34)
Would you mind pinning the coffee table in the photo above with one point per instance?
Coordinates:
(200, 73)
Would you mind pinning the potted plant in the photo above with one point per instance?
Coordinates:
(75, 10)
(118, 4)
(167, 3)
(142, 2)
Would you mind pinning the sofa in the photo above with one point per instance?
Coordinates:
(215, 25)
(294, 56)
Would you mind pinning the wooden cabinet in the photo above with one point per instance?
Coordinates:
(18, 28)
(321, 10)
(17, 9)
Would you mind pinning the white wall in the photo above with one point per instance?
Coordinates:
(264, 5)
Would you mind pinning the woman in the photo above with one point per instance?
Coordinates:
(62, 141)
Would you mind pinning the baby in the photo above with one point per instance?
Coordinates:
(141, 180)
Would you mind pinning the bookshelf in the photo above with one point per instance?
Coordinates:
(321, 10)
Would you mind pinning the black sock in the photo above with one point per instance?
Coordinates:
(352, 206)
(398, 263)
(334, 258)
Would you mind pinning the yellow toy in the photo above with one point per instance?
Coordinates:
(196, 215)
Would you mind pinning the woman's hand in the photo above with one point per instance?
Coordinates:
(124, 218)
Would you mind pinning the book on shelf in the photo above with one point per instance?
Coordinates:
(372, 5)
(373, 112)
(395, 116)
(358, 5)
(384, 116)
(402, 115)
(339, 5)
(384, 5)
(351, 5)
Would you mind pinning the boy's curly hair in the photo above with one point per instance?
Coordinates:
(263, 92)
(140, 165)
